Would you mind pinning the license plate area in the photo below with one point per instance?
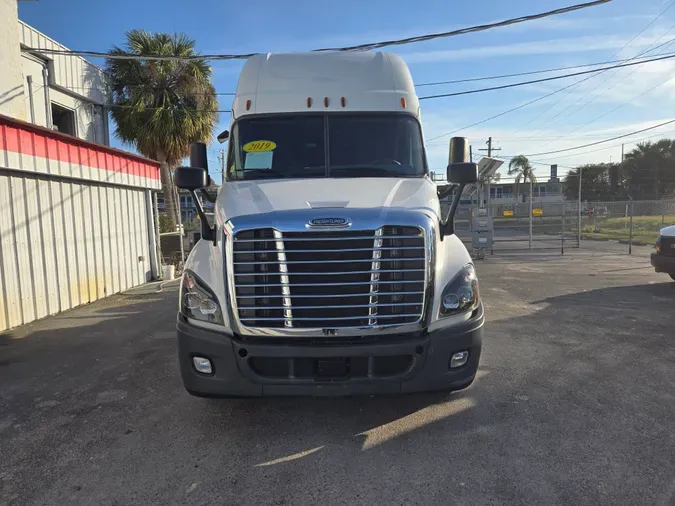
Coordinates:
(332, 368)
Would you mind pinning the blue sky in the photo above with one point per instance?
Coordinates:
(580, 115)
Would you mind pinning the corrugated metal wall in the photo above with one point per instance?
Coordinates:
(64, 240)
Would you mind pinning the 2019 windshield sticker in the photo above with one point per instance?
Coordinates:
(259, 146)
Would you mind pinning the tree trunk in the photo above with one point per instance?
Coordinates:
(168, 192)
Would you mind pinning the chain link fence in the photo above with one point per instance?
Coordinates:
(537, 225)
(632, 222)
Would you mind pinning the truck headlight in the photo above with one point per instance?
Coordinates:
(461, 294)
(198, 301)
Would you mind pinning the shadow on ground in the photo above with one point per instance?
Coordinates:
(573, 405)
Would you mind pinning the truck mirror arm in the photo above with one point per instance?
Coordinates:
(448, 225)
(207, 196)
(208, 233)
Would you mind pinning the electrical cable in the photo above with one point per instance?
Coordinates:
(467, 92)
(648, 50)
(500, 114)
(603, 141)
(531, 72)
(615, 109)
(612, 146)
(599, 95)
(361, 47)
(543, 79)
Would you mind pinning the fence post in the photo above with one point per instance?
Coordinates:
(531, 212)
(159, 240)
(151, 214)
(579, 210)
(562, 240)
(630, 237)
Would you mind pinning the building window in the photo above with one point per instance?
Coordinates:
(63, 120)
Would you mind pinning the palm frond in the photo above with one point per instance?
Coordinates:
(162, 106)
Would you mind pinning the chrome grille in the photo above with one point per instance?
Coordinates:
(329, 279)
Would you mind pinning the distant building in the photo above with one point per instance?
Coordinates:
(505, 192)
(61, 92)
(188, 208)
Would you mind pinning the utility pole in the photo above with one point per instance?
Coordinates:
(222, 166)
(489, 150)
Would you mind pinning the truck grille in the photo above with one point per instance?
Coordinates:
(329, 279)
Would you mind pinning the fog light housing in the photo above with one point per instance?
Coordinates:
(202, 365)
(459, 359)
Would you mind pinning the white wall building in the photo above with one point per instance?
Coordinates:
(77, 221)
(61, 92)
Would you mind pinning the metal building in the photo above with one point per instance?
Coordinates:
(76, 221)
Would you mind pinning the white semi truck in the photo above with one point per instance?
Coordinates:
(328, 269)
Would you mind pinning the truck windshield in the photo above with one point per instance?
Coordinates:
(314, 146)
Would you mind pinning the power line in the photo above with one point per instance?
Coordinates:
(466, 92)
(528, 73)
(649, 49)
(606, 140)
(165, 108)
(139, 85)
(540, 162)
(612, 146)
(470, 92)
(599, 95)
(501, 113)
(636, 56)
(361, 47)
(615, 109)
(544, 79)
(434, 83)
(518, 107)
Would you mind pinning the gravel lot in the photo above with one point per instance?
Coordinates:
(574, 404)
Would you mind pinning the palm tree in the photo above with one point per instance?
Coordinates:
(162, 106)
(648, 166)
(520, 166)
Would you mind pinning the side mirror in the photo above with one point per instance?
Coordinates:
(192, 179)
(461, 170)
(189, 178)
(463, 173)
(223, 136)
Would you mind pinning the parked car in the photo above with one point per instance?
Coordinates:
(663, 259)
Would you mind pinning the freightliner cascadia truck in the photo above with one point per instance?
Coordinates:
(328, 268)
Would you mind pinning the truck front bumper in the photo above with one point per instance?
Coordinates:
(388, 365)
(663, 263)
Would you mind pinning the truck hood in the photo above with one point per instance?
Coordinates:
(266, 196)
